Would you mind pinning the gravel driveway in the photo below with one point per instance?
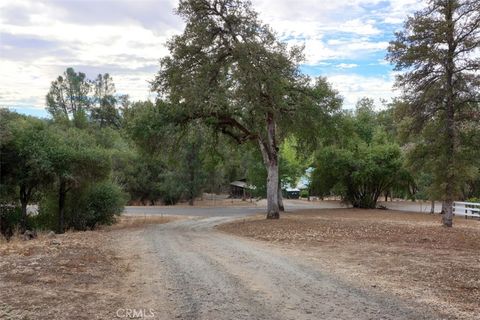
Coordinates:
(188, 270)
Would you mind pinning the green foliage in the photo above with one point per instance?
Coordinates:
(68, 97)
(26, 164)
(363, 163)
(77, 157)
(170, 189)
(304, 194)
(74, 99)
(230, 73)
(360, 176)
(149, 126)
(92, 205)
(256, 174)
(47, 217)
(25, 146)
(99, 204)
(437, 54)
(49, 161)
(292, 165)
(104, 111)
(10, 218)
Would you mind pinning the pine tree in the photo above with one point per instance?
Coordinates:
(438, 53)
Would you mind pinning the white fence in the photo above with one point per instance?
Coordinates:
(467, 209)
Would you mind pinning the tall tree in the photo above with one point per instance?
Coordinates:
(104, 111)
(75, 159)
(68, 97)
(25, 164)
(438, 51)
(229, 70)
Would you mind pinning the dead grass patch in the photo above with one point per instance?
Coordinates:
(76, 275)
(134, 222)
(408, 254)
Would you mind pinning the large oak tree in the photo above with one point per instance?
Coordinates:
(229, 70)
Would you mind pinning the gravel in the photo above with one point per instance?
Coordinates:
(188, 270)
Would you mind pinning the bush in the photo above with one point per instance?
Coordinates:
(85, 208)
(170, 189)
(9, 219)
(47, 217)
(99, 205)
(360, 175)
(304, 193)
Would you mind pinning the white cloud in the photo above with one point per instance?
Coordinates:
(126, 38)
(41, 39)
(354, 87)
(347, 65)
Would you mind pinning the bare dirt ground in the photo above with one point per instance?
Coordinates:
(188, 270)
(320, 264)
(408, 255)
(77, 275)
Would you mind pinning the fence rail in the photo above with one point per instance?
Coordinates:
(467, 209)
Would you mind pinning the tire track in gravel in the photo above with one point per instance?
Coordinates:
(206, 274)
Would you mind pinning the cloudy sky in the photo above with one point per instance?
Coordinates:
(344, 40)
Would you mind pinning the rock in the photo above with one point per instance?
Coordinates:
(29, 235)
(51, 234)
(55, 242)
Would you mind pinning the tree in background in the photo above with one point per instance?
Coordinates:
(229, 70)
(104, 111)
(440, 85)
(76, 160)
(25, 162)
(192, 173)
(68, 97)
(43, 162)
(359, 175)
(178, 150)
(362, 163)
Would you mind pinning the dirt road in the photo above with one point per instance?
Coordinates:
(246, 207)
(188, 270)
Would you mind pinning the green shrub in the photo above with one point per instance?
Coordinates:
(85, 208)
(9, 219)
(102, 202)
(473, 199)
(304, 193)
(47, 217)
(171, 190)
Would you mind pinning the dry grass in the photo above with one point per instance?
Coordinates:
(407, 254)
(76, 275)
(135, 222)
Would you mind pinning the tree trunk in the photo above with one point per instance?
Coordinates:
(281, 207)
(448, 215)
(270, 158)
(449, 119)
(432, 208)
(62, 193)
(24, 203)
(272, 192)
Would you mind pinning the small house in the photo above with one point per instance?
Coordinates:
(239, 189)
